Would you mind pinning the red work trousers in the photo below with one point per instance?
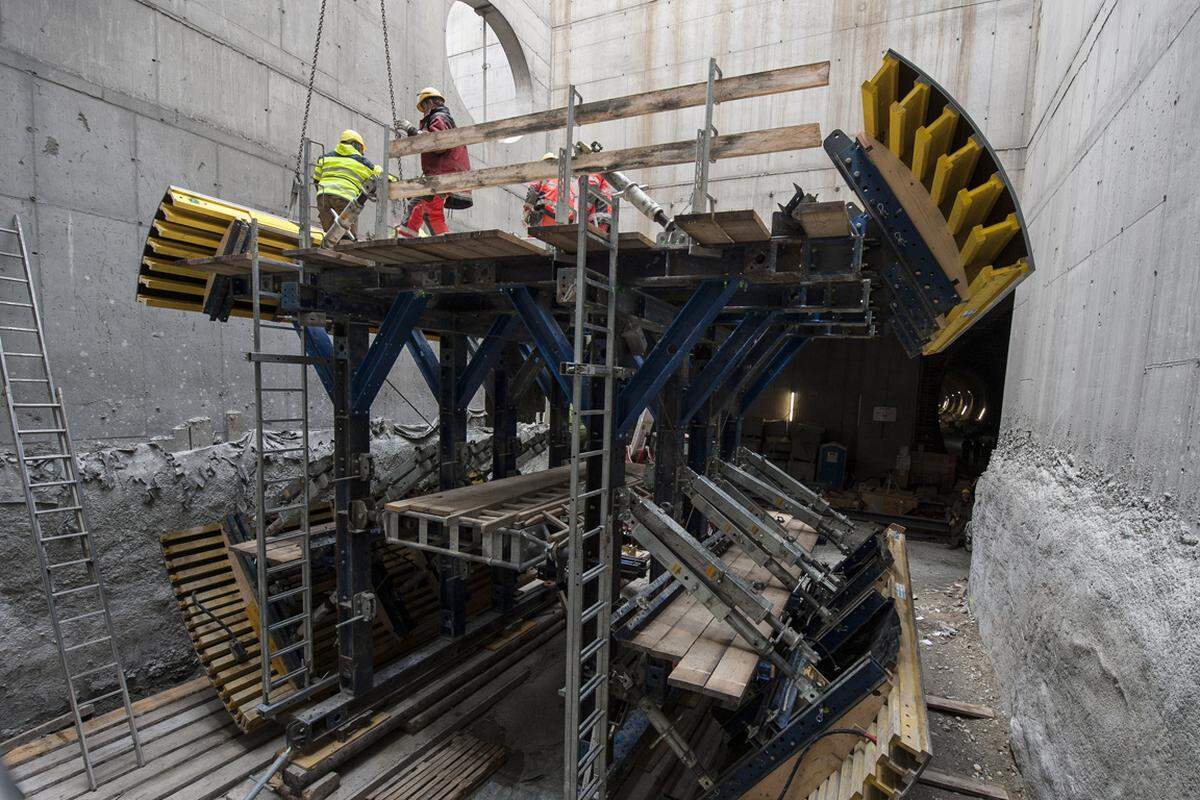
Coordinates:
(432, 210)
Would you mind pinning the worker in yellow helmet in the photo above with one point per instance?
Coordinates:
(436, 117)
(341, 176)
(541, 199)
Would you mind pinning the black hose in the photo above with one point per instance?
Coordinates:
(820, 736)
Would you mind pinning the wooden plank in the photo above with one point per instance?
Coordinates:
(961, 785)
(738, 87)
(703, 228)
(958, 708)
(49, 726)
(462, 246)
(736, 145)
(724, 227)
(566, 237)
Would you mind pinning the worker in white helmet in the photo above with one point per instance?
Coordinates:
(541, 199)
(436, 117)
(341, 176)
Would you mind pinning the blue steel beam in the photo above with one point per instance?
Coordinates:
(381, 356)
(548, 337)
(672, 348)
(319, 345)
(486, 355)
(728, 357)
(777, 365)
(543, 380)
(427, 361)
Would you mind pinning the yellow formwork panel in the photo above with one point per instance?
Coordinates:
(186, 234)
(972, 206)
(159, 265)
(184, 305)
(931, 143)
(878, 94)
(953, 171)
(988, 287)
(905, 116)
(169, 285)
(983, 244)
(162, 247)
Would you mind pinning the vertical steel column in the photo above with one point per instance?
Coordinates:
(351, 441)
(668, 451)
(699, 448)
(504, 462)
(559, 434)
(452, 433)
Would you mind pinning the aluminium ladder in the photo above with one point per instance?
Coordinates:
(71, 578)
(590, 550)
(283, 589)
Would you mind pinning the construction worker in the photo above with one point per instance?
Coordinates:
(541, 199)
(599, 202)
(431, 209)
(341, 176)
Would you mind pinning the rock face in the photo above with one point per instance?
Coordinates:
(132, 495)
(1086, 594)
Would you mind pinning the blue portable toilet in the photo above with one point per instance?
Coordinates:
(831, 465)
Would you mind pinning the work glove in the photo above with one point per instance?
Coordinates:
(407, 127)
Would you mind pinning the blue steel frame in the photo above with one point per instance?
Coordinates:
(381, 356)
(777, 365)
(427, 360)
(486, 355)
(729, 356)
(543, 380)
(320, 346)
(672, 348)
(548, 337)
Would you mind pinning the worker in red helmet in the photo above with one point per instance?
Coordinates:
(541, 200)
(432, 104)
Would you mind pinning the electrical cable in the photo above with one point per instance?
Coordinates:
(807, 747)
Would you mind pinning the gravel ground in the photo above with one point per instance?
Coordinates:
(957, 667)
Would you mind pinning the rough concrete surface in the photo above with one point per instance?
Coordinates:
(132, 495)
(1085, 589)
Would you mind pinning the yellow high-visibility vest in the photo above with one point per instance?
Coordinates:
(344, 172)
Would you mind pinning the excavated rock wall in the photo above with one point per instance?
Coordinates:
(132, 495)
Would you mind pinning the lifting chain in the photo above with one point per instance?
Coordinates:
(312, 77)
(387, 56)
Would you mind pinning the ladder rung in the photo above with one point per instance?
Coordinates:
(114, 754)
(28, 380)
(590, 722)
(282, 419)
(285, 650)
(591, 453)
(592, 573)
(88, 643)
(277, 509)
(588, 688)
(589, 493)
(591, 412)
(56, 511)
(591, 790)
(285, 595)
(18, 330)
(6, 253)
(283, 389)
(11, 280)
(592, 754)
(591, 649)
(47, 457)
(272, 326)
(285, 678)
(61, 536)
(273, 481)
(47, 484)
(18, 305)
(75, 590)
(94, 670)
(62, 564)
(588, 534)
(8, 230)
(278, 568)
(40, 430)
(24, 355)
(78, 617)
(286, 537)
(267, 452)
(592, 326)
(104, 696)
(286, 622)
(35, 405)
(592, 612)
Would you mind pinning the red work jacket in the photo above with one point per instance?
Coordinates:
(441, 162)
(547, 191)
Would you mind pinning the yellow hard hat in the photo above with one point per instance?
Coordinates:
(353, 136)
(550, 157)
(427, 93)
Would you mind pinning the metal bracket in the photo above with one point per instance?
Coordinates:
(702, 201)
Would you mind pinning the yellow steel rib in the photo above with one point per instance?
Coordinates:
(931, 143)
(189, 235)
(163, 247)
(983, 244)
(878, 94)
(953, 171)
(158, 265)
(972, 206)
(168, 285)
(988, 287)
(905, 117)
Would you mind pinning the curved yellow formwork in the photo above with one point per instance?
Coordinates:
(191, 225)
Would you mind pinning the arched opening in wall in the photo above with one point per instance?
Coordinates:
(486, 62)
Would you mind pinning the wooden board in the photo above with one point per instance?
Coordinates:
(737, 87)
(451, 771)
(566, 237)
(958, 708)
(724, 227)
(961, 785)
(487, 245)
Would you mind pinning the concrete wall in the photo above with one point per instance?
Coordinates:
(111, 102)
(616, 47)
(1086, 526)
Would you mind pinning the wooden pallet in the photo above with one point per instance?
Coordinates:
(199, 561)
(724, 227)
(452, 771)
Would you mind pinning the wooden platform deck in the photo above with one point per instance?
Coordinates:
(487, 245)
(724, 227)
(566, 238)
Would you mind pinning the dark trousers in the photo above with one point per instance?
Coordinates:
(328, 207)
